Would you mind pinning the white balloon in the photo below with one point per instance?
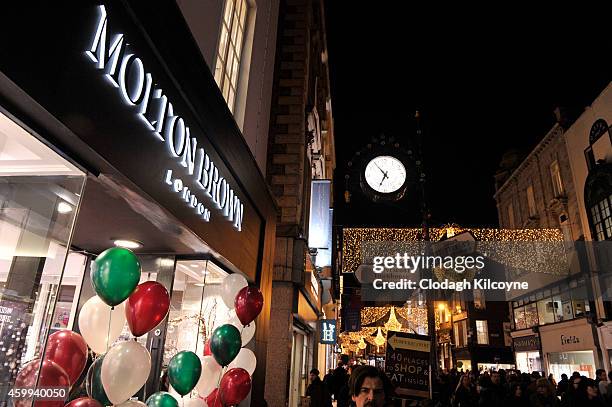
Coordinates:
(132, 403)
(209, 376)
(247, 333)
(94, 323)
(125, 370)
(246, 359)
(193, 402)
(230, 286)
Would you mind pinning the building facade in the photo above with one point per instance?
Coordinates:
(555, 327)
(300, 164)
(589, 149)
(148, 125)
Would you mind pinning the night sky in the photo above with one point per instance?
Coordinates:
(484, 86)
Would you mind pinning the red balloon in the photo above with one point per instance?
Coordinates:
(84, 402)
(69, 350)
(213, 399)
(248, 303)
(51, 375)
(207, 351)
(235, 386)
(147, 307)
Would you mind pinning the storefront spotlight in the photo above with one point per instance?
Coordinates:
(64, 207)
(128, 244)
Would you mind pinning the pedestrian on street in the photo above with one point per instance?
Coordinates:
(545, 395)
(317, 391)
(369, 386)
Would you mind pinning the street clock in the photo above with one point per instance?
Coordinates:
(384, 174)
(383, 170)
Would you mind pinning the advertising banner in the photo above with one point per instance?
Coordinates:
(407, 364)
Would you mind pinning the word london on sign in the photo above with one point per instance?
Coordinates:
(138, 89)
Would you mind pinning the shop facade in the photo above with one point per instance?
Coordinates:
(114, 128)
(570, 346)
(527, 351)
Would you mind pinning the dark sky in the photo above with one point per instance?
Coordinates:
(484, 85)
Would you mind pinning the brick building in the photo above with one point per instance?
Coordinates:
(541, 192)
(300, 150)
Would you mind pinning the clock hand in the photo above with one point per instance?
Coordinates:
(385, 176)
(381, 170)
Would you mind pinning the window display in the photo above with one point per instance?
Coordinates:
(582, 362)
(39, 195)
(529, 361)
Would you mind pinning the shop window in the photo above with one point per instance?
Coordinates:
(39, 197)
(582, 362)
(519, 318)
(580, 303)
(546, 311)
(529, 362)
(557, 182)
(229, 52)
(531, 315)
(460, 333)
(482, 332)
(196, 306)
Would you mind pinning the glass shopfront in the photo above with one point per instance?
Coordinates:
(560, 303)
(39, 198)
(529, 362)
(582, 362)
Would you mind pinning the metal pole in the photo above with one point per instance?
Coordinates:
(429, 298)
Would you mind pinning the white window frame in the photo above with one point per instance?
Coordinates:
(531, 204)
(230, 48)
(557, 181)
(482, 332)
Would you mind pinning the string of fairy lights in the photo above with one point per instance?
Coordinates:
(522, 250)
(518, 250)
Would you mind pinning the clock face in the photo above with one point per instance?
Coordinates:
(385, 174)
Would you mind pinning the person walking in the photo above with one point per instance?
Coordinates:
(317, 391)
(465, 393)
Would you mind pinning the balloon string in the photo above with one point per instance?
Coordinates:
(220, 393)
(110, 318)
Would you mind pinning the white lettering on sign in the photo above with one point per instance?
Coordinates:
(328, 332)
(126, 71)
(187, 195)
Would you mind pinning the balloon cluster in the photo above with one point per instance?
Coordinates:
(119, 371)
(221, 376)
(226, 365)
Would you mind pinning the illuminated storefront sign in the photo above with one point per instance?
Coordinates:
(126, 71)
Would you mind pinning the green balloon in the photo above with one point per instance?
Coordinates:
(115, 275)
(225, 344)
(184, 371)
(161, 399)
(93, 384)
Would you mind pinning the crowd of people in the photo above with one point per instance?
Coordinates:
(513, 388)
(369, 386)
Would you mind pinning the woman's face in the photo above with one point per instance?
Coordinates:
(518, 392)
(465, 381)
(591, 392)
